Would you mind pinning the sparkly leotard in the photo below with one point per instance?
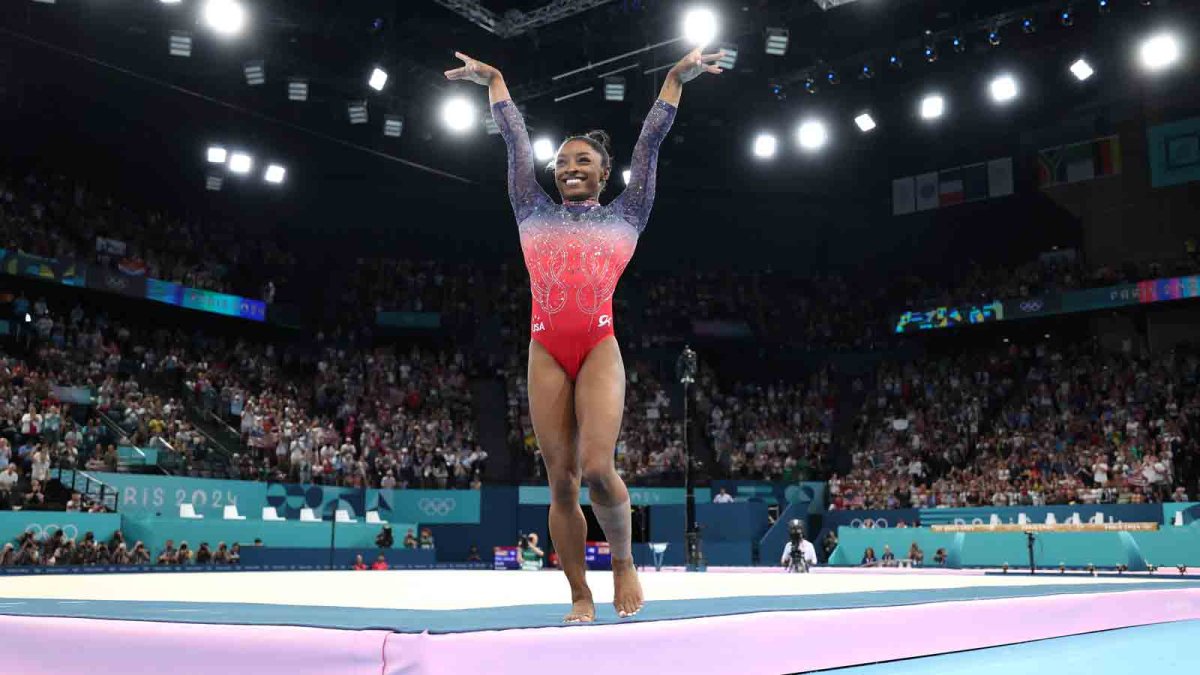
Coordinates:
(575, 253)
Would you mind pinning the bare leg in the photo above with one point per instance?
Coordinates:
(551, 409)
(599, 407)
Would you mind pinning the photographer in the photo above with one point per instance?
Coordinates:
(807, 551)
(384, 539)
(531, 555)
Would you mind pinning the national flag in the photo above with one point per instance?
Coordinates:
(975, 182)
(1000, 177)
(904, 195)
(927, 191)
(950, 187)
(1079, 161)
(132, 266)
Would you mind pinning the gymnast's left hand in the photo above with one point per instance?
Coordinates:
(694, 64)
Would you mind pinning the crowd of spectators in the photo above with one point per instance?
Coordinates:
(1026, 426)
(48, 214)
(57, 550)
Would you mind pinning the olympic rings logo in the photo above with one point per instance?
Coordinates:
(437, 507)
(876, 522)
(1031, 306)
(40, 532)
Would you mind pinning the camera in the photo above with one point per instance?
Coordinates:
(523, 540)
(796, 563)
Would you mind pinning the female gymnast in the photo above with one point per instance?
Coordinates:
(575, 253)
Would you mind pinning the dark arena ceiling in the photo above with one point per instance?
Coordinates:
(93, 80)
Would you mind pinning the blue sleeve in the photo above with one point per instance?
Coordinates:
(637, 199)
(524, 192)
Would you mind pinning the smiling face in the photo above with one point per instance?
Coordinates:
(579, 171)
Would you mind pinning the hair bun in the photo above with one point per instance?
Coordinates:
(601, 136)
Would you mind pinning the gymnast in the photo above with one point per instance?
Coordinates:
(575, 253)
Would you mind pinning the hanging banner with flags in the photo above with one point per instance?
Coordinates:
(959, 185)
(1079, 162)
(1174, 152)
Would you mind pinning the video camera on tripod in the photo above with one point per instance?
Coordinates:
(796, 563)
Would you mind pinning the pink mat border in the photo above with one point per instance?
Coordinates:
(775, 642)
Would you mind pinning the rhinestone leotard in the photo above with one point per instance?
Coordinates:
(575, 253)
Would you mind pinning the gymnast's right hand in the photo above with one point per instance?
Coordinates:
(472, 70)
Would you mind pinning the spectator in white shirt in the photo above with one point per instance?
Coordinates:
(723, 497)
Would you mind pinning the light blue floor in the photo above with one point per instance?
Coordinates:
(528, 616)
(1160, 649)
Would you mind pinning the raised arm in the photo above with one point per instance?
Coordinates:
(638, 198)
(524, 192)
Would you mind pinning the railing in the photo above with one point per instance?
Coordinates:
(87, 484)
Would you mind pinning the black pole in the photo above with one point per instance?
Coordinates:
(332, 532)
(691, 533)
(1030, 537)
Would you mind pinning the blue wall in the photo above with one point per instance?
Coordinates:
(45, 523)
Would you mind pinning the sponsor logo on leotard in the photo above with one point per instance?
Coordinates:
(605, 320)
(539, 327)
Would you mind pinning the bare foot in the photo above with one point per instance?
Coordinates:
(583, 610)
(627, 590)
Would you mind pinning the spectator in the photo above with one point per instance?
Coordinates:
(939, 557)
(75, 503)
(36, 497)
(9, 478)
(169, 555)
(139, 555)
(410, 541)
(204, 555)
(384, 539)
(426, 539)
(889, 558)
(358, 563)
(868, 558)
(235, 554)
(829, 544)
(221, 555)
(380, 563)
(531, 556)
(473, 554)
(723, 497)
(916, 555)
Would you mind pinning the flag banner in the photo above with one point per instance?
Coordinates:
(975, 182)
(927, 191)
(904, 195)
(1174, 152)
(1000, 177)
(1079, 162)
(950, 187)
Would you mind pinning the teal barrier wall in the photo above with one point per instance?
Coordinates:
(43, 523)
(154, 531)
(539, 495)
(1168, 546)
(162, 495)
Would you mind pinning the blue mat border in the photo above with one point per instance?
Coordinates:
(526, 616)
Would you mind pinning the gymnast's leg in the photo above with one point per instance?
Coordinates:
(599, 406)
(551, 409)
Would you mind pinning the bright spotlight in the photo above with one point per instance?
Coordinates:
(625, 175)
(543, 150)
(1160, 51)
(274, 174)
(1004, 89)
(379, 78)
(240, 162)
(216, 154)
(226, 17)
(932, 107)
(865, 122)
(764, 146)
(700, 27)
(1082, 70)
(458, 114)
(812, 135)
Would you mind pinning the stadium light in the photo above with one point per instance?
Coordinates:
(240, 163)
(226, 17)
(932, 107)
(180, 43)
(378, 79)
(274, 174)
(256, 72)
(543, 150)
(213, 182)
(357, 111)
(1082, 70)
(1004, 89)
(865, 122)
(729, 59)
(169, 2)
(297, 89)
(216, 154)
(700, 27)
(1160, 51)
(393, 125)
(614, 89)
(764, 146)
(812, 135)
(777, 41)
(625, 175)
(458, 114)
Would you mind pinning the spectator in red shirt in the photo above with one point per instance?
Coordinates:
(359, 565)
(379, 564)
